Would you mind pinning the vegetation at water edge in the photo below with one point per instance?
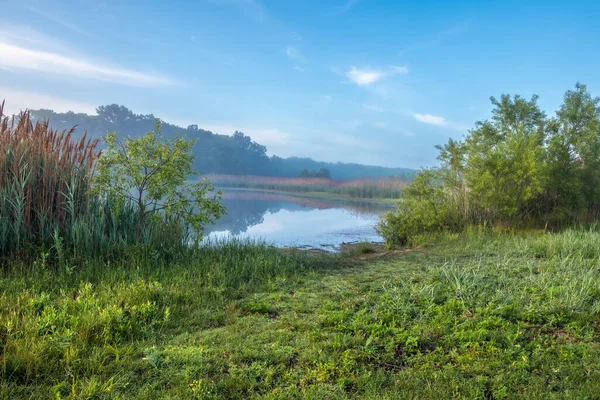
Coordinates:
(381, 188)
(517, 169)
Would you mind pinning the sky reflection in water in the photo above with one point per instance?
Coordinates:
(288, 220)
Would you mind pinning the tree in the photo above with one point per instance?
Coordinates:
(152, 172)
(504, 156)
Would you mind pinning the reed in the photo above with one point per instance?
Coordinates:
(46, 201)
(382, 188)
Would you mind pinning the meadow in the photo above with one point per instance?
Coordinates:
(480, 315)
(381, 188)
(108, 295)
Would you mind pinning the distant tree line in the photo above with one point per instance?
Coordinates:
(237, 154)
(518, 168)
(321, 173)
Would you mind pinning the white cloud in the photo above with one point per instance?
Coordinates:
(17, 101)
(366, 76)
(431, 119)
(17, 58)
(379, 124)
(294, 54)
(440, 121)
(399, 69)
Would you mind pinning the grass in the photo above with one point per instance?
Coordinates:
(382, 188)
(490, 316)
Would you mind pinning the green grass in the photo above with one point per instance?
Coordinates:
(488, 316)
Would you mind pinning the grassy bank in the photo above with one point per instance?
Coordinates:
(479, 317)
(384, 188)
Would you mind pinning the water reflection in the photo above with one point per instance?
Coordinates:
(289, 220)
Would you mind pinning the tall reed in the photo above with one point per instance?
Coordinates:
(46, 201)
(44, 180)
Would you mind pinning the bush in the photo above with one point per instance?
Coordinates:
(425, 207)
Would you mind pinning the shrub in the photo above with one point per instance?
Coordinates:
(425, 207)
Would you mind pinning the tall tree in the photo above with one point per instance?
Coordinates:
(504, 156)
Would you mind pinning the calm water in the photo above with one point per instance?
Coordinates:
(288, 220)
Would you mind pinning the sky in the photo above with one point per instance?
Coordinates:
(377, 82)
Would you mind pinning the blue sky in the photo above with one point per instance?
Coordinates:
(375, 82)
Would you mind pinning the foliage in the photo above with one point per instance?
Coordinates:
(322, 173)
(215, 153)
(518, 168)
(490, 316)
(426, 206)
(152, 173)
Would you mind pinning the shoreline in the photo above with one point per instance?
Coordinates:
(323, 195)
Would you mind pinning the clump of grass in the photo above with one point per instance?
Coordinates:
(360, 248)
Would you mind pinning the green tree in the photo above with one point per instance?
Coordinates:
(153, 173)
(504, 168)
(578, 134)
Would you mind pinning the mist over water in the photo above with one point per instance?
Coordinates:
(294, 221)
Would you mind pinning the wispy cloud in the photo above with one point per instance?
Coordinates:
(18, 58)
(347, 6)
(431, 119)
(439, 121)
(17, 100)
(363, 76)
(59, 21)
(399, 69)
(366, 76)
(295, 55)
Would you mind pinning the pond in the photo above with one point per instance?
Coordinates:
(288, 220)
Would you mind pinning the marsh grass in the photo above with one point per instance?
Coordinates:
(47, 204)
(380, 188)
